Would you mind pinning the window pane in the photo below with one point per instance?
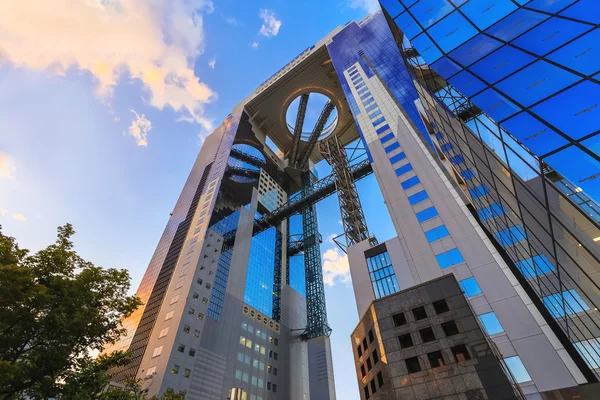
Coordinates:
(490, 323)
(470, 287)
(517, 369)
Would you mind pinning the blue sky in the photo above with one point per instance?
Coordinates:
(104, 105)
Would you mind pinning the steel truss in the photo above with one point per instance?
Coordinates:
(315, 291)
(353, 217)
(314, 137)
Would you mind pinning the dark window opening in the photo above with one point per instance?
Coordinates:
(419, 313)
(441, 307)
(375, 357)
(369, 365)
(427, 335)
(380, 379)
(367, 394)
(413, 365)
(450, 328)
(373, 387)
(362, 371)
(436, 359)
(460, 353)
(406, 341)
(359, 350)
(399, 319)
(371, 336)
(365, 344)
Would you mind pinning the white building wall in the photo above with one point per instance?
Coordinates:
(414, 258)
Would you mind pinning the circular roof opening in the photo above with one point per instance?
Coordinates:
(314, 107)
(244, 163)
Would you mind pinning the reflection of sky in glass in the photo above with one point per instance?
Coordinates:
(235, 162)
(261, 267)
(517, 369)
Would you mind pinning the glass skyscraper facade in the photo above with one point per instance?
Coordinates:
(472, 177)
(508, 92)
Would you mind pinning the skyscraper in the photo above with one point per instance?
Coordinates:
(234, 300)
(479, 201)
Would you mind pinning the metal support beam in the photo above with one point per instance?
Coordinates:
(299, 125)
(353, 217)
(305, 198)
(240, 155)
(314, 137)
(315, 291)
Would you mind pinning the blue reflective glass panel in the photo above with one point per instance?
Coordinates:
(381, 272)
(510, 236)
(575, 111)
(517, 369)
(551, 6)
(428, 12)
(535, 82)
(590, 351)
(379, 121)
(426, 48)
(495, 105)
(487, 12)
(580, 172)
(470, 287)
(387, 137)
(467, 174)
(446, 67)
(418, 197)
(368, 101)
(466, 83)
(582, 55)
(550, 34)
(403, 169)
(452, 31)
(410, 182)
(585, 10)
(447, 147)
(515, 24)
(437, 233)
(500, 63)
(374, 114)
(479, 191)
(491, 211)
(457, 159)
(382, 129)
(397, 157)
(392, 147)
(565, 303)
(449, 258)
(476, 48)
(427, 214)
(534, 266)
(532, 133)
(371, 107)
(408, 25)
(490, 323)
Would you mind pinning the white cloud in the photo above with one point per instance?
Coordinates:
(3, 212)
(154, 41)
(7, 167)
(330, 238)
(271, 25)
(368, 5)
(231, 21)
(254, 45)
(212, 62)
(335, 267)
(19, 217)
(139, 129)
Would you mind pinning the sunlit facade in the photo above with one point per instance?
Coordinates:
(467, 198)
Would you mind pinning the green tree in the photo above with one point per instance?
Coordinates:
(55, 308)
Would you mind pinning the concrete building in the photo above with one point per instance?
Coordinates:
(425, 343)
(234, 305)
